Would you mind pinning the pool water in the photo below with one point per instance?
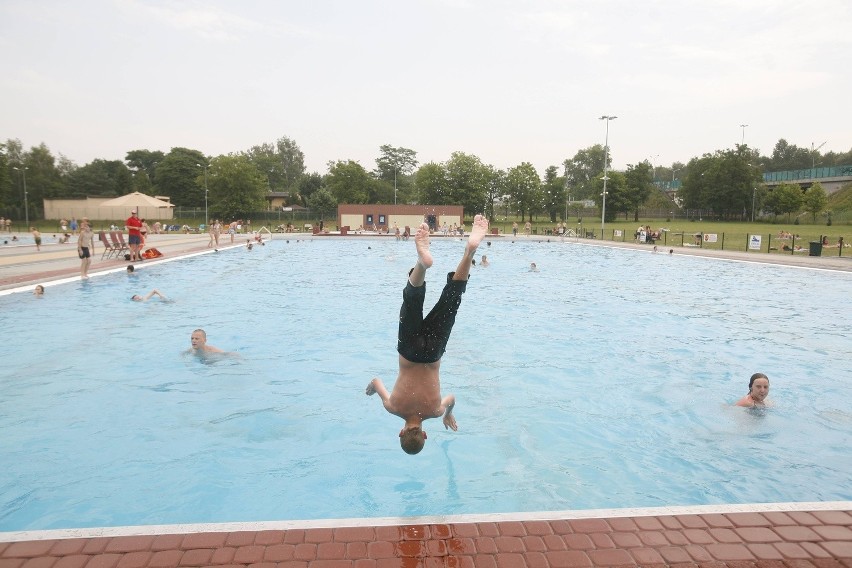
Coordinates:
(603, 380)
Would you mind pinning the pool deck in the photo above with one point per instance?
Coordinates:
(793, 535)
(790, 535)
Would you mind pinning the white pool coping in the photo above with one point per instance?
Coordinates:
(148, 530)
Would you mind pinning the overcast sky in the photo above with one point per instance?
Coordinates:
(509, 81)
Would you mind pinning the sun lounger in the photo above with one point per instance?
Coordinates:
(117, 239)
(109, 249)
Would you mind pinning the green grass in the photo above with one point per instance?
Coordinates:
(731, 236)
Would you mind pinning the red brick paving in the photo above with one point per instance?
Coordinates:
(801, 539)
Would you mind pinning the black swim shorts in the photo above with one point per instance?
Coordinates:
(424, 340)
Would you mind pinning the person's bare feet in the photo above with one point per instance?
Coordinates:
(478, 232)
(421, 241)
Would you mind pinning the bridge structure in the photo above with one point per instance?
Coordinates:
(831, 178)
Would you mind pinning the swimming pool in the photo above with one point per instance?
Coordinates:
(603, 380)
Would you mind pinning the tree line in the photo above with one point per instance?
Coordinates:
(726, 183)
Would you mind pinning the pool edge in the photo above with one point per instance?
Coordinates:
(570, 514)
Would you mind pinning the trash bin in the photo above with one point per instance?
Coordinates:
(815, 248)
(344, 230)
(495, 231)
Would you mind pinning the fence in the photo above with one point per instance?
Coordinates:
(779, 243)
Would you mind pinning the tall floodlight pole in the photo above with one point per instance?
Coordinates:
(753, 192)
(206, 214)
(813, 154)
(606, 159)
(743, 126)
(23, 170)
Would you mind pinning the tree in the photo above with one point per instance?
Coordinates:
(722, 183)
(265, 160)
(496, 188)
(618, 199)
(786, 156)
(554, 193)
(835, 158)
(815, 200)
(524, 186)
(43, 179)
(6, 186)
(349, 182)
(638, 185)
(322, 201)
(786, 198)
(99, 178)
(291, 161)
(467, 182)
(431, 184)
(307, 186)
(143, 164)
(282, 164)
(583, 169)
(395, 167)
(180, 176)
(236, 187)
(399, 161)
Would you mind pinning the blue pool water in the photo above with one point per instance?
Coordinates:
(603, 380)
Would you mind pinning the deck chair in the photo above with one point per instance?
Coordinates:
(109, 249)
(117, 239)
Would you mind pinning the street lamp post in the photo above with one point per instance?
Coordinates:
(23, 170)
(206, 214)
(606, 159)
(753, 192)
(813, 156)
(743, 126)
(394, 185)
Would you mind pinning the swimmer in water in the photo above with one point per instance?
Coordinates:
(148, 296)
(758, 390)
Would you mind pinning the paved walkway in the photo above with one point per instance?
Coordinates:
(765, 536)
(769, 537)
(23, 265)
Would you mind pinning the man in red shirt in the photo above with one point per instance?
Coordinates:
(134, 235)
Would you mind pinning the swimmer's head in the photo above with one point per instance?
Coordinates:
(412, 440)
(136, 298)
(130, 269)
(198, 338)
(758, 387)
(39, 290)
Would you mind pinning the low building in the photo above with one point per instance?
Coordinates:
(384, 217)
(277, 199)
